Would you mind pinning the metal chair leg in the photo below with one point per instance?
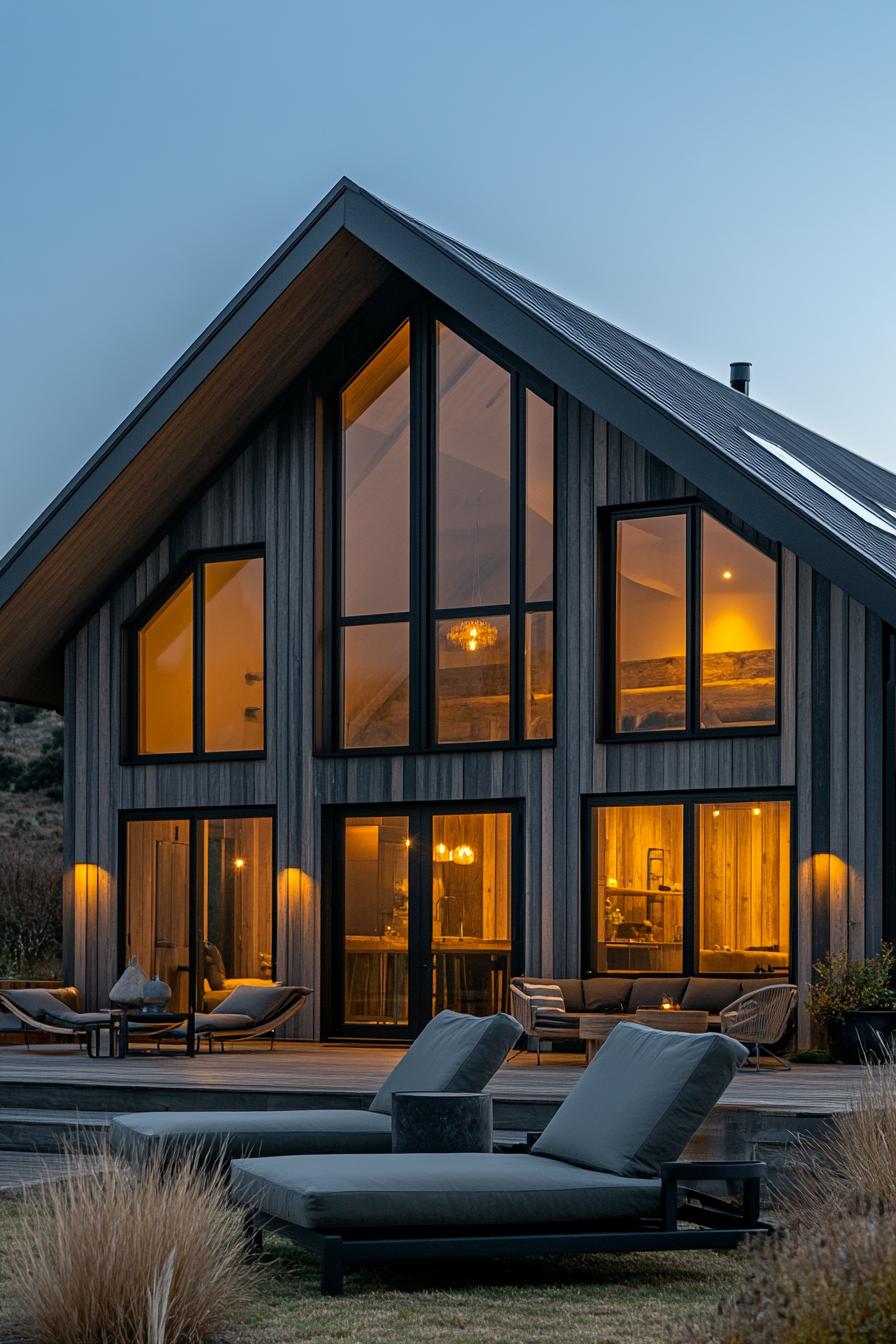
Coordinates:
(537, 1050)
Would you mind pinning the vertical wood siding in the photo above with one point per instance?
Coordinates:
(828, 750)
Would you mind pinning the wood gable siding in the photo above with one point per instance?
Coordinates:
(829, 750)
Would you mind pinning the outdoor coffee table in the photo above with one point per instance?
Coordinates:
(594, 1028)
(673, 1019)
(132, 1021)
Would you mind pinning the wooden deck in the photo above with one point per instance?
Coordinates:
(311, 1075)
(51, 1094)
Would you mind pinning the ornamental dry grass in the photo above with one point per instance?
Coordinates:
(830, 1276)
(116, 1255)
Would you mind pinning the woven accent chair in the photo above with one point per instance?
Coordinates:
(542, 1023)
(761, 1019)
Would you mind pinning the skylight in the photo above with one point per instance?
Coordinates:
(848, 501)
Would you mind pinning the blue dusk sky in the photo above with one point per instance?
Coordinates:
(717, 179)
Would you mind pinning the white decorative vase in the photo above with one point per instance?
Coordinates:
(127, 992)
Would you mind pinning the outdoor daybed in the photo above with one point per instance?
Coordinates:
(454, 1052)
(602, 1177)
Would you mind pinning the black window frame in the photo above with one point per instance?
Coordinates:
(193, 566)
(192, 816)
(420, 814)
(690, 800)
(336, 370)
(606, 661)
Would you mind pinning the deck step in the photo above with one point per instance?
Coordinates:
(48, 1131)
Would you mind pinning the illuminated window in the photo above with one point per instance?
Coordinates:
(744, 861)
(694, 616)
(681, 887)
(224, 599)
(444, 588)
(198, 904)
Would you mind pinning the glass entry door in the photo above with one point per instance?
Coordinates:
(423, 918)
(198, 903)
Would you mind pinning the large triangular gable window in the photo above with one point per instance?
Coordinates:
(197, 663)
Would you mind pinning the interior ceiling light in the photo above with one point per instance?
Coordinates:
(471, 634)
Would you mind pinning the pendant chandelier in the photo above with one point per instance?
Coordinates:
(472, 633)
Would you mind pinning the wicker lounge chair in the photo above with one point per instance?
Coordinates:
(612, 1186)
(761, 1019)
(454, 1052)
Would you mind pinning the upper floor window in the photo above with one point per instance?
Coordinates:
(198, 663)
(694, 616)
(444, 566)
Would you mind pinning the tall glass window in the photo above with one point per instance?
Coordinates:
(739, 597)
(639, 888)
(234, 655)
(220, 869)
(375, 529)
(695, 620)
(651, 623)
(444, 624)
(165, 677)
(222, 600)
(744, 860)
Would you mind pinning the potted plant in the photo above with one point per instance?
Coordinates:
(855, 1002)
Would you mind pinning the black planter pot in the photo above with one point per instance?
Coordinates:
(862, 1037)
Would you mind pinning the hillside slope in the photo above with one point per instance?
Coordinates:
(30, 775)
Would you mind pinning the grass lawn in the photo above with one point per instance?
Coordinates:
(629, 1299)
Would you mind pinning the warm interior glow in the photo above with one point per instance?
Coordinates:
(239, 863)
(743, 861)
(463, 854)
(739, 630)
(726, 574)
(651, 623)
(472, 635)
(234, 654)
(638, 881)
(165, 677)
(441, 853)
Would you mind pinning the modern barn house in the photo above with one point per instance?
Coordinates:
(420, 629)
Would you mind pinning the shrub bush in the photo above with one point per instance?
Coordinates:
(117, 1255)
(30, 909)
(845, 986)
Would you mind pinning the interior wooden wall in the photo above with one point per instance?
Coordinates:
(828, 750)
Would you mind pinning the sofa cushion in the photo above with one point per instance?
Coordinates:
(214, 966)
(250, 1133)
(453, 1053)
(543, 1022)
(570, 989)
(443, 1189)
(710, 995)
(606, 994)
(649, 991)
(545, 997)
(256, 1001)
(641, 1099)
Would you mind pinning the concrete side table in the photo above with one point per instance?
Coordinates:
(441, 1122)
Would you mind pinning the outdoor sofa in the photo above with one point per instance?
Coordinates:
(454, 1052)
(602, 1177)
(549, 1010)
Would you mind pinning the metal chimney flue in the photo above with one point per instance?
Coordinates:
(740, 377)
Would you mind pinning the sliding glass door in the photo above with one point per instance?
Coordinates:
(422, 917)
(198, 903)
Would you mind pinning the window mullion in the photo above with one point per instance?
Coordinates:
(517, 556)
(199, 659)
(421, 532)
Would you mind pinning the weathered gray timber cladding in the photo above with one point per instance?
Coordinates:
(828, 750)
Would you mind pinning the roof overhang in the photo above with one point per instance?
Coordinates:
(204, 407)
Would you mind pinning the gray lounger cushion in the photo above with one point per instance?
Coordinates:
(453, 1053)
(641, 1100)
(35, 1002)
(256, 1001)
(65, 1017)
(413, 1189)
(242, 1133)
(214, 1021)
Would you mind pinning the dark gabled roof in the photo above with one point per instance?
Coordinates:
(829, 505)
